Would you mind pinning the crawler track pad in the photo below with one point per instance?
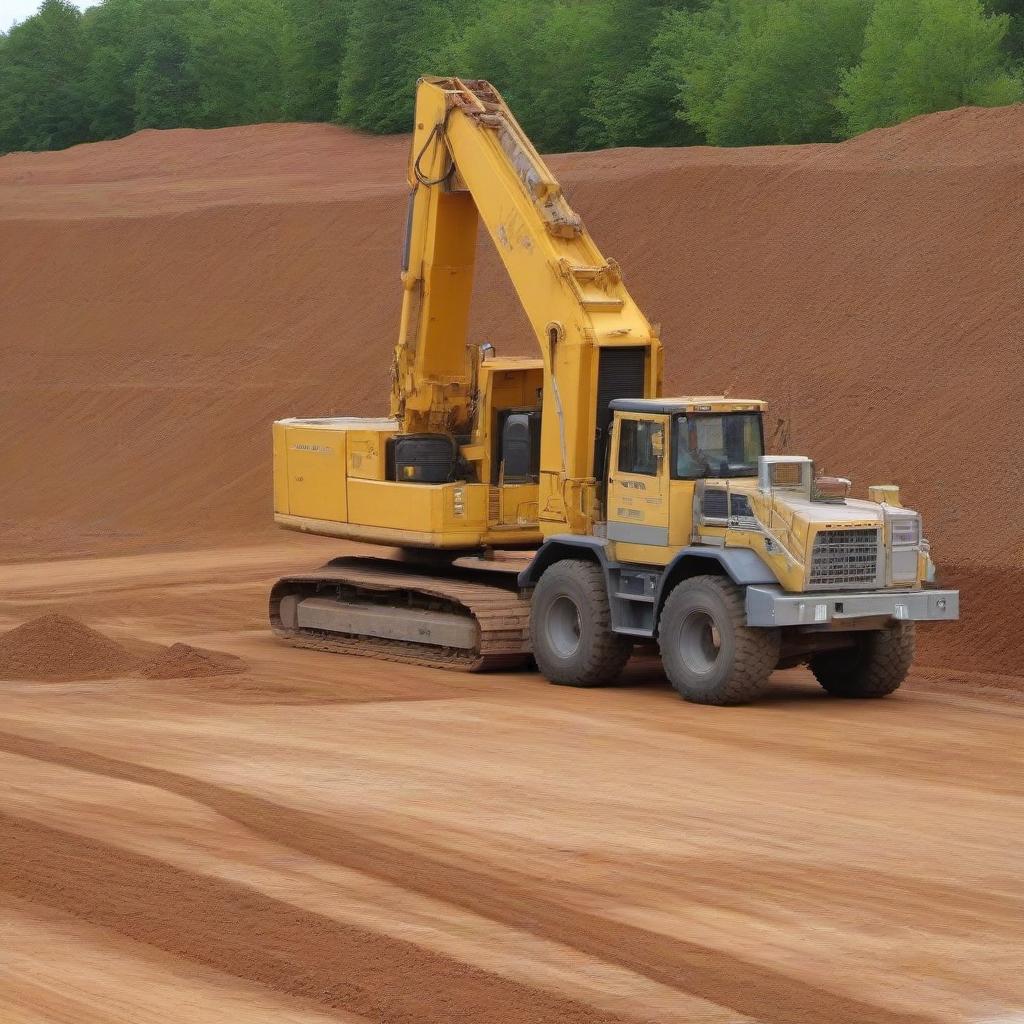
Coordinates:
(451, 617)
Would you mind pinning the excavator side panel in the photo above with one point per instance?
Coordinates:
(310, 469)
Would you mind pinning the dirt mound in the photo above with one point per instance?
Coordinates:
(165, 296)
(56, 647)
(181, 661)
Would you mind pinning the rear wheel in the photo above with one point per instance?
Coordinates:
(710, 654)
(570, 626)
(874, 667)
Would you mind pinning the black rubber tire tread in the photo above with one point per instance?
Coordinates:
(875, 668)
(755, 649)
(602, 653)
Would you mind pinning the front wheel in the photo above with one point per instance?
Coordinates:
(710, 654)
(571, 629)
(874, 667)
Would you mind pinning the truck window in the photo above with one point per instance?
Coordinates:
(638, 449)
(717, 445)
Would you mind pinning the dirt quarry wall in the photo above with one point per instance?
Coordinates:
(164, 297)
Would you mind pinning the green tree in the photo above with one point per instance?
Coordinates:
(165, 87)
(926, 55)
(632, 98)
(545, 57)
(1014, 40)
(388, 46)
(238, 52)
(8, 122)
(320, 30)
(637, 109)
(753, 72)
(699, 49)
(42, 96)
(110, 29)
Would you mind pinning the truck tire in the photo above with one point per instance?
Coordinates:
(875, 667)
(571, 626)
(710, 654)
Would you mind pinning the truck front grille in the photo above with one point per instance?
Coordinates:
(844, 556)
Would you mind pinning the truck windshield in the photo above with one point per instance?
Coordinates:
(725, 444)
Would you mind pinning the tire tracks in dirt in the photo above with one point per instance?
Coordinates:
(514, 901)
(247, 934)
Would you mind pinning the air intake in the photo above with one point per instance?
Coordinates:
(620, 374)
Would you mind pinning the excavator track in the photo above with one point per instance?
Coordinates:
(472, 620)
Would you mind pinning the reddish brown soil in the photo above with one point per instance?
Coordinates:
(167, 295)
(55, 647)
(324, 839)
(182, 661)
(315, 839)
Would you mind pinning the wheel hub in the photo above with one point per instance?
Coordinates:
(700, 642)
(565, 626)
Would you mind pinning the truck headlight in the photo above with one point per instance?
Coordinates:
(906, 530)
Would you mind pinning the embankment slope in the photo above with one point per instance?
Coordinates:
(163, 297)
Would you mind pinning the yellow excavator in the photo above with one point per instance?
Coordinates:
(647, 520)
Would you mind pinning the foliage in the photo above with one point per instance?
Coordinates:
(388, 46)
(925, 55)
(1014, 41)
(237, 55)
(580, 74)
(636, 108)
(547, 56)
(165, 90)
(752, 72)
(42, 93)
(320, 28)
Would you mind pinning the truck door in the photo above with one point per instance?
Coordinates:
(638, 480)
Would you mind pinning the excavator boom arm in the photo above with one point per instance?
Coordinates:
(470, 162)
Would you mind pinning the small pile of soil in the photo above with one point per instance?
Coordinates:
(181, 661)
(55, 647)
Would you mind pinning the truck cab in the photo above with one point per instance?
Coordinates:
(734, 561)
(662, 452)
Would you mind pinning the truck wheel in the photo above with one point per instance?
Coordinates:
(571, 626)
(874, 667)
(710, 654)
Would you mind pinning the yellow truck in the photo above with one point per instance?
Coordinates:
(647, 519)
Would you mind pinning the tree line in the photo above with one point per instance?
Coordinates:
(580, 74)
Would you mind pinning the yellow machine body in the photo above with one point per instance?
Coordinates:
(652, 515)
(331, 477)
(636, 504)
(472, 164)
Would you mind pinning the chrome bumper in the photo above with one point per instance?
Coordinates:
(772, 606)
